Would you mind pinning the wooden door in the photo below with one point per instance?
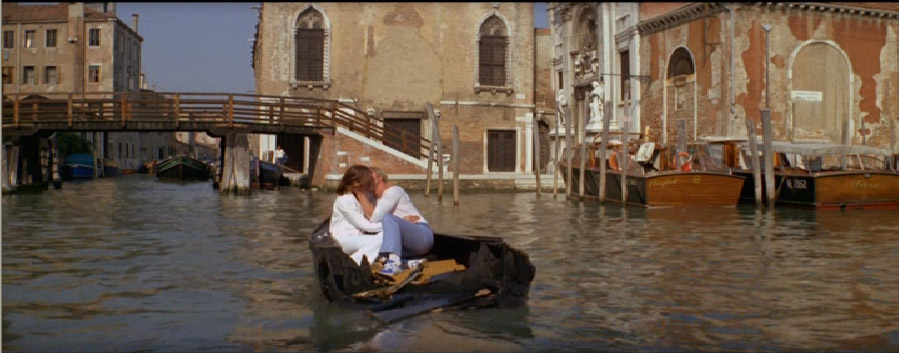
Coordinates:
(404, 135)
(501, 151)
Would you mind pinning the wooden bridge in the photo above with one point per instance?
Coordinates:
(218, 114)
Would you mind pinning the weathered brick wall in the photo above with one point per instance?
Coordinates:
(400, 56)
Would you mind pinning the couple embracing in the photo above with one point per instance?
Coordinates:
(376, 219)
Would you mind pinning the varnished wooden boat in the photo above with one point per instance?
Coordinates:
(653, 188)
(489, 264)
(868, 179)
(182, 167)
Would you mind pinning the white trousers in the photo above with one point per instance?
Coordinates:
(357, 246)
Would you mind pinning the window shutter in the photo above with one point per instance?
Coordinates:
(493, 61)
(310, 54)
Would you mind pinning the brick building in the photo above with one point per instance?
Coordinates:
(833, 68)
(74, 47)
(476, 63)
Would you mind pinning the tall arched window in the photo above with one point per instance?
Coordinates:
(310, 46)
(492, 43)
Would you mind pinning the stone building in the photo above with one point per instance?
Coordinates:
(474, 62)
(833, 68)
(49, 50)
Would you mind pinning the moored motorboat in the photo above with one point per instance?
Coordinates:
(78, 166)
(458, 268)
(182, 167)
(821, 175)
(654, 176)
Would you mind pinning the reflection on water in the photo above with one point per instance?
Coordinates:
(131, 263)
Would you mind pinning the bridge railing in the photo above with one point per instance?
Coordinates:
(223, 109)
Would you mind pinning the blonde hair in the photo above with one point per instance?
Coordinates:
(379, 172)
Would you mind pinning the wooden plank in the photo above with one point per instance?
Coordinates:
(456, 165)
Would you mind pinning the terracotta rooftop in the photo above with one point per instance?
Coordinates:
(13, 12)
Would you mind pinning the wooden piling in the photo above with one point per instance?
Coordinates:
(568, 152)
(582, 127)
(433, 119)
(624, 162)
(439, 160)
(555, 157)
(769, 156)
(456, 165)
(537, 153)
(756, 167)
(603, 145)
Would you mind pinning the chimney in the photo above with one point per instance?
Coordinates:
(134, 22)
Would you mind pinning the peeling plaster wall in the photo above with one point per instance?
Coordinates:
(869, 43)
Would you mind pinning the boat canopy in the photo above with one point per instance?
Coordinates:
(826, 149)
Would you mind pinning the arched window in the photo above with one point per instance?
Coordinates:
(310, 46)
(492, 43)
(681, 63)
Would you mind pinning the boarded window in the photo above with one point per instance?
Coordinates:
(51, 75)
(8, 39)
(8, 75)
(493, 61)
(93, 74)
(51, 39)
(310, 46)
(29, 39)
(28, 75)
(500, 151)
(492, 52)
(310, 54)
(625, 62)
(93, 37)
(403, 135)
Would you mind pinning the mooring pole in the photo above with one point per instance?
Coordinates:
(456, 165)
(433, 118)
(582, 133)
(756, 167)
(537, 153)
(767, 134)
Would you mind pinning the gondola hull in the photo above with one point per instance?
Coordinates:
(182, 168)
(489, 263)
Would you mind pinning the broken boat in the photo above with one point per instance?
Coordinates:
(459, 270)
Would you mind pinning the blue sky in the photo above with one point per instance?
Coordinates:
(206, 47)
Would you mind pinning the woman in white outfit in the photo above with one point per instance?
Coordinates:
(358, 237)
(406, 232)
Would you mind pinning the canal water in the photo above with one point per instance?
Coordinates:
(134, 264)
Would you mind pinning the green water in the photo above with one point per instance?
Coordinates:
(131, 263)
